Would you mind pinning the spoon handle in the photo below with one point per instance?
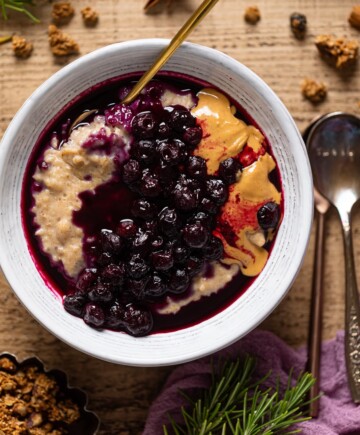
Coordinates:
(190, 24)
(352, 312)
(314, 346)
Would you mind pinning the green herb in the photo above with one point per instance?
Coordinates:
(235, 404)
(18, 6)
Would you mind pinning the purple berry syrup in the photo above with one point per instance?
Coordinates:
(111, 202)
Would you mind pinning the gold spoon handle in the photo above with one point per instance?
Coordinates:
(185, 30)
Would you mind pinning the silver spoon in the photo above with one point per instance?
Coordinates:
(322, 206)
(334, 151)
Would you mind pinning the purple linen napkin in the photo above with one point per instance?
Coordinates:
(338, 415)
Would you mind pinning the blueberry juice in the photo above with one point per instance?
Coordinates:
(151, 216)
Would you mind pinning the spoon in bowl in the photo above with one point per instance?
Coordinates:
(334, 151)
(204, 8)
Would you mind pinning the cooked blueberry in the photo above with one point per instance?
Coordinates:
(168, 188)
(105, 258)
(157, 243)
(144, 151)
(111, 242)
(143, 209)
(185, 198)
(131, 171)
(180, 118)
(166, 173)
(208, 206)
(204, 218)
(142, 242)
(137, 267)
(143, 125)
(172, 151)
(94, 315)
(114, 274)
(127, 228)
(216, 190)
(180, 252)
(214, 249)
(74, 304)
(196, 167)
(195, 235)
(136, 287)
(192, 136)
(115, 315)
(154, 90)
(155, 287)
(178, 281)
(164, 131)
(162, 260)
(37, 187)
(229, 169)
(151, 226)
(149, 185)
(268, 215)
(138, 320)
(194, 265)
(101, 292)
(169, 222)
(86, 279)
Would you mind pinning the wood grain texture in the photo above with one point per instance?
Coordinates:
(121, 395)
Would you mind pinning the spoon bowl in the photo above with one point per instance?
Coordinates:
(334, 151)
(335, 155)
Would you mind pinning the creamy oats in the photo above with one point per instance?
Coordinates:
(71, 169)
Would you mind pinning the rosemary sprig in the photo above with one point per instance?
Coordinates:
(235, 404)
(18, 6)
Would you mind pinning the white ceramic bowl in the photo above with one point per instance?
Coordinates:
(287, 254)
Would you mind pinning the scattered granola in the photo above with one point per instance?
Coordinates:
(32, 403)
(354, 17)
(340, 52)
(62, 12)
(298, 25)
(61, 44)
(313, 91)
(252, 14)
(22, 48)
(90, 16)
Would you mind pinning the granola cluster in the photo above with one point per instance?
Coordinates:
(340, 52)
(313, 90)
(89, 16)
(22, 48)
(252, 14)
(61, 44)
(32, 403)
(62, 12)
(354, 17)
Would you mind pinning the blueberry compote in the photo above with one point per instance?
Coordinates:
(151, 218)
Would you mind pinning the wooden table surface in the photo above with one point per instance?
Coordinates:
(121, 395)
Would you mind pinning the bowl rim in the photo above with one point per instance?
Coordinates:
(306, 184)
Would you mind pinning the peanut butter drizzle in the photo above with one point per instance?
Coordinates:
(245, 198)
(225, 136)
